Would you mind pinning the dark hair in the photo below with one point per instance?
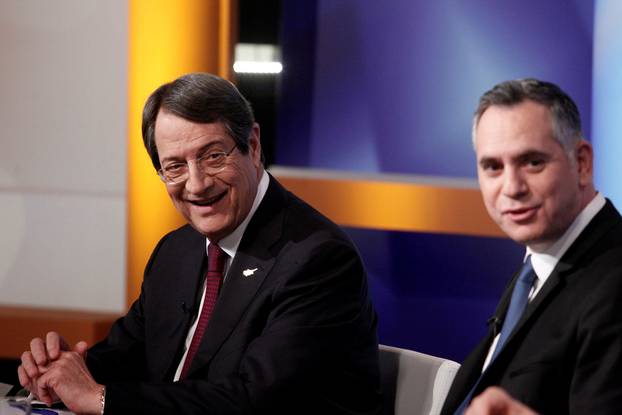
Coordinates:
(201, 98)
(564, 112)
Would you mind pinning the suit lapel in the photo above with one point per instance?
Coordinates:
(471, 368)
(567, 265)
(250, 267)
(187, 282)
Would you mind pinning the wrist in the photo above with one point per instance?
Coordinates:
(96, 402)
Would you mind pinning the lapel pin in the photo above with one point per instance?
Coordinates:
(249, 272)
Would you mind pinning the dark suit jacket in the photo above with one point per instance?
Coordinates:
(565, 355)
(296, 337)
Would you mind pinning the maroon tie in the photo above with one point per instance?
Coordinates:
(216, 258)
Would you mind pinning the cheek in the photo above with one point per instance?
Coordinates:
(489, 194)
(175, 196)
(558, 205)
(239, 199)
(552, 194)
(232, 206)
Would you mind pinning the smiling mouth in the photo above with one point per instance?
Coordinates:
(208, 202)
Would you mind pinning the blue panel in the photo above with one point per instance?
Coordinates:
(392, 88)
(296, 82)
(434, 293)
(608, 98)
(396, 81)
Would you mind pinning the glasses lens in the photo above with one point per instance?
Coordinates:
(213, 162)
(173, 174)
(210, 164)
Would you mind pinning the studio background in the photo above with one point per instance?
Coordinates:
(373, 97)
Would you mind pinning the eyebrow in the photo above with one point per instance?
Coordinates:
(487, 160)
(532, 154)
(522, 157)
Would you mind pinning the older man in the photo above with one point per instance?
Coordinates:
(259, 305)
(555, 341)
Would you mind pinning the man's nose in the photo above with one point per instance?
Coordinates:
(197, 181)
(514, 184)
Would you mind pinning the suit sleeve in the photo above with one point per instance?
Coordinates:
(318, 317)
(596, 386)
(121, 356)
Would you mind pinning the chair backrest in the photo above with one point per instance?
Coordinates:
(414, 383)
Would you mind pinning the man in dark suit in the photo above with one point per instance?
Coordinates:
(289, 330)
(555, 340)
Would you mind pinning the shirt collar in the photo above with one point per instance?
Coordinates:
(230, 243)
(545, 262)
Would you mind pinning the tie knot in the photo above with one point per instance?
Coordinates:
(527, 274)
(216, 258)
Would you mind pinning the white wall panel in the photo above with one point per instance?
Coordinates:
(64, 251)
(63, 131)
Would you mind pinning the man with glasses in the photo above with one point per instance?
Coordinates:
(258, 305)
(555, 341)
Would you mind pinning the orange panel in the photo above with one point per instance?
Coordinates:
(19, 325)
(396, 206)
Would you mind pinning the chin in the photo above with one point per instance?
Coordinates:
(534, 240)
(521, 236)
(205, 227)
(212, 232)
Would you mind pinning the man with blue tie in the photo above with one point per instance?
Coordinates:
(555, 341)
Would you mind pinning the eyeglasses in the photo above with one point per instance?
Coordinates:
(210, 164)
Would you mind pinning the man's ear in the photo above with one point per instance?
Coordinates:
(584, 156)
(254, 144)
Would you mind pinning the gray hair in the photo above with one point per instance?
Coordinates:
(201, 98)
(564, 112)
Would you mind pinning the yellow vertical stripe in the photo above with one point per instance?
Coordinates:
(166, 39)
(227, 37)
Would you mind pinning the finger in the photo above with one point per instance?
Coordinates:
(81, 348)
(43, 392)
(493, 401)
(55, 344)
(29, 365)
(23, 377)
(39, 353)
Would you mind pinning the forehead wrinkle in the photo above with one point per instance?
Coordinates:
(177, 128)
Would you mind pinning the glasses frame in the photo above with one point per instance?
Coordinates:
(197, 161)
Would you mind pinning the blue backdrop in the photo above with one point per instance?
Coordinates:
(390, 87)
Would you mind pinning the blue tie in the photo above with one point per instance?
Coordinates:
(518, 303)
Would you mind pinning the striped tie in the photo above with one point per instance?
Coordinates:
(216, 259)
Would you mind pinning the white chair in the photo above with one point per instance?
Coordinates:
(414, 383)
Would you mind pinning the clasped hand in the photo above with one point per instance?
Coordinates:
(52, 371)
(496, 401)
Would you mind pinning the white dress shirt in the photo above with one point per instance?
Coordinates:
(229, 244)
(544, 262)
